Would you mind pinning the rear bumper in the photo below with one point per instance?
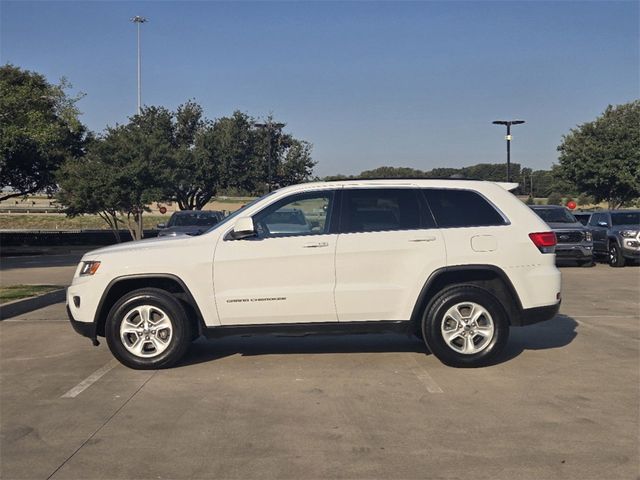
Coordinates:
(535, 315)
(86, 329)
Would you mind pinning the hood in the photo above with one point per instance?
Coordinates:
(629, 226)
(185, 230)
(137, 245)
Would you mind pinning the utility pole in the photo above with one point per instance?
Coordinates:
(139, 20)
(508, 123)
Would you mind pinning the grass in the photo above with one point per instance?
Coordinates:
(16, 292)
(52, 221)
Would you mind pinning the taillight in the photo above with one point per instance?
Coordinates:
(545, 241)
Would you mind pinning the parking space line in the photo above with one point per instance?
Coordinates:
(90, 380)
(424, 376)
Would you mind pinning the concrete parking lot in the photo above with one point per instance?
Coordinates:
(562, 403)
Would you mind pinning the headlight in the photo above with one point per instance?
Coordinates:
(588, 237)
(629, 233)
(89, 268)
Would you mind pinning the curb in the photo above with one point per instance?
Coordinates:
(26, 305)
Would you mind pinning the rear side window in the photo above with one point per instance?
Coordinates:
(461, 208)
(382, 209)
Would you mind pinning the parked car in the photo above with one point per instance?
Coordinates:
(616, 235)
(456, 262)
(575, 242)
(189, 222)
(582, 217)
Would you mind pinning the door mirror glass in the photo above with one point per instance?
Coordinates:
(160, 226)
(243, 228)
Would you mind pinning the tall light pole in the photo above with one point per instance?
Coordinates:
(508, 123)
(138, 20)
(269, 127)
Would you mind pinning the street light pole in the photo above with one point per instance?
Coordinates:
(508, 123)
(138, 20)
(269, 127)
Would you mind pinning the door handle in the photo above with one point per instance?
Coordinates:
(423, 239)
(316, 245)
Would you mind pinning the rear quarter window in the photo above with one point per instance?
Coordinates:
(454, 208)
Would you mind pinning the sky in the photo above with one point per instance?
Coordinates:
(412, 84)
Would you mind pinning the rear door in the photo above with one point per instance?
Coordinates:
(387, 247)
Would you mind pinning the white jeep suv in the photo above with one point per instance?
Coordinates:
(457, 262)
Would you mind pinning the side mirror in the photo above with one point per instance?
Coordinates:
(161, 226)
(243, 228)
(603, 224)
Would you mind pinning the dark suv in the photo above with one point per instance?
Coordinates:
(616, 234)
(189, 222)
(574, 239)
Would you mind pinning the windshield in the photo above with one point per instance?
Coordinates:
(625, 218)
(555, 215)
(239, 211)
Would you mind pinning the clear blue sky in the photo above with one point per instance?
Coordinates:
(368, 83)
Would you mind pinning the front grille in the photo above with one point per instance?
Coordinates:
(569, 237)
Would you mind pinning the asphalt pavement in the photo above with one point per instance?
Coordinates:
(39, 269)
(561, 404)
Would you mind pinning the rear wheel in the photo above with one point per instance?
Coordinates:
(465, 326)
(148, 329)
(616, 259)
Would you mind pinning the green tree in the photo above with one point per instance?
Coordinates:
(39, 129)
(127, 167)
(554, 199)
(89, 186)
(584, 199)
(194, 174)
(602, 157)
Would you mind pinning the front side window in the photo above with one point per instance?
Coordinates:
(596, 218)
(461, 208)
(373, 210)
(304, 214)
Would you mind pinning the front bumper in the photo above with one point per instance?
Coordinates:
(86, 329)
(574, 252)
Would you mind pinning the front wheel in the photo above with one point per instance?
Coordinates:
(616, 259)
(148, 329)
(465, 326)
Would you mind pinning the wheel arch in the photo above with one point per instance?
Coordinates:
(120, 286)
(488, 277)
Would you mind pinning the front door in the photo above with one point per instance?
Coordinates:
(286, 273)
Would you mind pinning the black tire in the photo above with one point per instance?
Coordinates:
(616, 259)
(161, 305)
(435, 317)
(586, 263)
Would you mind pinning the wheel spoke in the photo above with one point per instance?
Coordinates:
(126, 329)
(450, 335)
(162, 323)
(454, 314)
(485, 332)
(138, 346)
(144, 311)
(468, 347)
